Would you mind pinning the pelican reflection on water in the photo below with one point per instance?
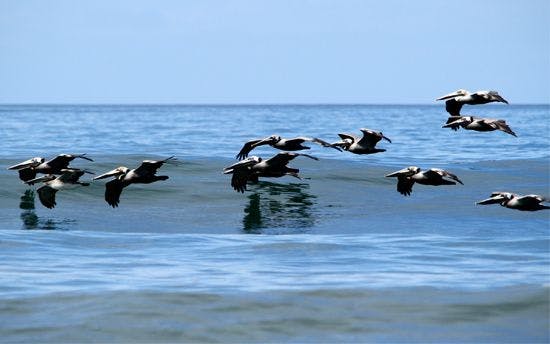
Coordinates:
(286, 208)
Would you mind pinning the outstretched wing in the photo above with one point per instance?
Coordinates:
(150, 167)
(454, 122)
(62, 160)
(530, 200)
(46, 195)
(371, 138)
(317, 141)
(240, 178)
(26, 174)
(113, 189)
(442, 173)
(282, 159)
(247, 147)
(404, 185)
(349, 137)
(501, 125)
(453, 107)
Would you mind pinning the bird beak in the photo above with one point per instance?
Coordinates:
(112, 173)
(39, 180)
(25, 164)
(385, 138)
(492, 200)
(227, 170)
(448, 96)
(398, 173)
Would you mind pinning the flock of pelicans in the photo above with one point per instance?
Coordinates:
(57, 174)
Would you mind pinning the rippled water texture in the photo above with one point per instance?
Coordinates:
(338, 256)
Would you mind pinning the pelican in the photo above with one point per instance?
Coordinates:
(363, 145)
(515, 201)
(276, 141)
(454, 101)
(478, 124)
(29, 168)
(412, 174)
(67, 180)
(144, 174)
(253, 167)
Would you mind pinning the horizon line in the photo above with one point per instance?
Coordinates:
(237, 104)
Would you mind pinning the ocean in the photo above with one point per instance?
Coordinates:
(338, 256)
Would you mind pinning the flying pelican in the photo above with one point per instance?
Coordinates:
(67, 180)
(29, 168)
(454, 101)
(363, 145)
(276, 141)
(253, 167)
(144, 174)
(410, 175)
(478, 124)
(514, 201)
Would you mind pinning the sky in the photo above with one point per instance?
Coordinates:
(279, 51)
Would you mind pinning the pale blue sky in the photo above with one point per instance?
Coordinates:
(254, 51)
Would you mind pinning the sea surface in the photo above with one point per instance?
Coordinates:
(338, 256)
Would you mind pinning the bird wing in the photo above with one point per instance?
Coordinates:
(240, 178)
(61, 161)
(26, 174)
(247, 147)
(501, 125)
(46, 195)
(530, 199)
(442, 173)
(404, 185)
(349, 136)
(318, 141)
(150, 167)
(283, 158)
(454, 122)
(370, 138)
(453, 107)
(71, 175)
(113, 189)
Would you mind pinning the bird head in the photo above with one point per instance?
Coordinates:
(117, 172)
(457, 93)
(28, 163)
(408, 171)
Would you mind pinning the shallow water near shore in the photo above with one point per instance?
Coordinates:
(336, 256)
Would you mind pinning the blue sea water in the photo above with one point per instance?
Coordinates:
(337, 256)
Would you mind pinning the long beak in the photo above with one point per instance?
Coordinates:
(492, 200)
(448, 96)
(40, 179)
(227, 170)
(385, 138)
(108, 174)
(398, 173)
(24, 164)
